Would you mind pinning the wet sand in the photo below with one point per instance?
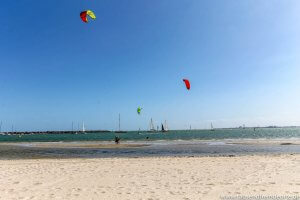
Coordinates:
(106, 145)
(150, 178)
(94, 149)
(40, 150)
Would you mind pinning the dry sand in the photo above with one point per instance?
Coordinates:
(150, 178)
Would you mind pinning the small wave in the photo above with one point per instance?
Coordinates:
(216, 143)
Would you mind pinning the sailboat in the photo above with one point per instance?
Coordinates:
(152, 129)
(119, 131)
(83, 128)
(211, 127)
(164, 128)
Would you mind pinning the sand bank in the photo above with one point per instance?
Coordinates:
(100, 145)
(150, 178)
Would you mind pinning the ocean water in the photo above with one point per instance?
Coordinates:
(218, 134)
(221, 142)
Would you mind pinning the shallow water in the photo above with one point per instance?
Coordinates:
(218, 134)
(172, 143)
(148, 148)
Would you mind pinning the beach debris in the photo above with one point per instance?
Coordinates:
(84, 15)
(187, 83)
(286, 143)
(139, 109)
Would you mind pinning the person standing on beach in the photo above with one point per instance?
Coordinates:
(117, 140)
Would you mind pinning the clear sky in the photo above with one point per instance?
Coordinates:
(241, 57)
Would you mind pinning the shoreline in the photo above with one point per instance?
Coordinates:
(96, 149)
(264, 141)
(144, 143)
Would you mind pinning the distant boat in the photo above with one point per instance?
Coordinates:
(83, 128)
(119, 131)
(151, 127)
(211, 127)
(164, 128)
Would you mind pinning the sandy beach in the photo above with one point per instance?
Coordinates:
(150, 178)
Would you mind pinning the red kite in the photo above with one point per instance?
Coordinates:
(187, 83)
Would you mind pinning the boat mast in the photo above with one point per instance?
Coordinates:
(83, 129)
(151, 125)
(0, 126)
(119, 122)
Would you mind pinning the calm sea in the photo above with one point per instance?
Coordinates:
(173, 143)
(218, 134)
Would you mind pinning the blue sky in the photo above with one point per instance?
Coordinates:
(242, 58)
